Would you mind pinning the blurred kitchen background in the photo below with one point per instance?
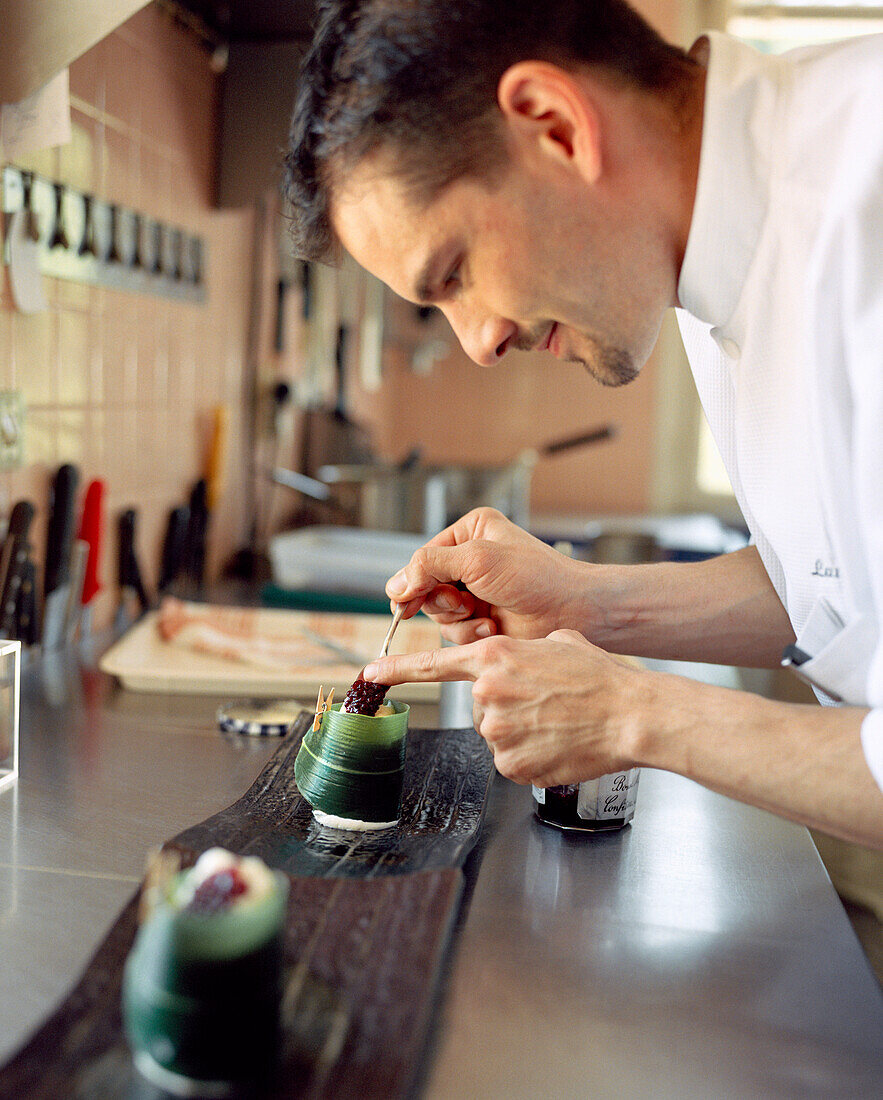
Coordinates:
(178, 115)
(185, 356)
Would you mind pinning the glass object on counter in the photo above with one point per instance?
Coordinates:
(598, 805)
(10, 689)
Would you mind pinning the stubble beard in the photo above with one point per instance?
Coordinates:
(611, 366)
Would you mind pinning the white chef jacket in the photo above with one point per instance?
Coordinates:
(782, 318)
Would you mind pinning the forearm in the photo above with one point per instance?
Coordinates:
(801, 762)
(724, 610)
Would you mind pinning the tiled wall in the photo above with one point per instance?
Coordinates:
(121, 384)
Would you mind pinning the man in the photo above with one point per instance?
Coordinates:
(555, 177)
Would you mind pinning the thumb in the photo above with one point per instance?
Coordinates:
(429, 567)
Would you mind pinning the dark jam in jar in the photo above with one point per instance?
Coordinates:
(607, 803)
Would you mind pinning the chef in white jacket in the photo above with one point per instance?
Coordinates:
(747, 192)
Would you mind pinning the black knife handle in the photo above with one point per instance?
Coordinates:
(129, 570)
(27, 616)
(126, 554)
(174, 546)
(17, 537)
(197, 531)
(60, 535)
(20, 520)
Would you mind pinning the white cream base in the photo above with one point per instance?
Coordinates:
(177, 1083)
(351, 824)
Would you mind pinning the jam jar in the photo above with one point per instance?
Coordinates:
(597, 805)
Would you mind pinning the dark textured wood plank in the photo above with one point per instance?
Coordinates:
(363, 960)
(447, 776)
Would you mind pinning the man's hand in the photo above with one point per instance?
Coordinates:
(483, 576)
(552, 710)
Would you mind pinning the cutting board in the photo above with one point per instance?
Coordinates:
(142, 661)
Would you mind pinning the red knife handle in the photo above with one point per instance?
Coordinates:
(91, 529)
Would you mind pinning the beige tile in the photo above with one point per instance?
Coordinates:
(96, 361)
(74, 358)
(147, 352)
(7, 363)
(87, 76)
(122, 453)
(121, 180)
(72, 425)
(160, 122)
(95, 463)
(119, 347)
(156, 184)
(71, 295)
(35, 356)
(122, 96)
(77, 159)
(41, 437)
(42, 161)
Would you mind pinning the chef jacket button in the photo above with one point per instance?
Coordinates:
(729, 347)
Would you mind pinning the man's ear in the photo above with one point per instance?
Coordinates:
(548, 106)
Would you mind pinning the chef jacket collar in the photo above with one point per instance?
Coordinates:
(735, 167)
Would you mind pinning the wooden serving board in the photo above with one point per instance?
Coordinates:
(447, 775)
(362, 966)
(142, 661)
(368, 927)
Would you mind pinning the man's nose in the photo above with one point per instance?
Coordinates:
(484, 339)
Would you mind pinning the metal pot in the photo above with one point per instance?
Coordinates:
(425, 499)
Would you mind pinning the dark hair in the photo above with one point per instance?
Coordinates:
(419, 79)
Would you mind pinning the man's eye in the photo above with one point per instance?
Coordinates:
(453, 280)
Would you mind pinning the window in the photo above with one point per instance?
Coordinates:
(774, 27)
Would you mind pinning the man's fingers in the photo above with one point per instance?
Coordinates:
(447, 604)
(472, 630)
(430, 567)
(433, 666)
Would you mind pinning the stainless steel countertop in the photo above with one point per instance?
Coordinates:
(701, 952)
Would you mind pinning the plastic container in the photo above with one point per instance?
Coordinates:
(340, 559)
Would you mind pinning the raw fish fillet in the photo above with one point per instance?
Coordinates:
(231, 633)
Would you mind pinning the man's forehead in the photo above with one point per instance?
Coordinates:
(383, 230)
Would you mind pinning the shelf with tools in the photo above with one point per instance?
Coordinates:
(85, 239)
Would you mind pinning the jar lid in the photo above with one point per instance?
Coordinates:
(259, 717)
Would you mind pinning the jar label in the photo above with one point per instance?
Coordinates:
(539, 794)
(609, 796)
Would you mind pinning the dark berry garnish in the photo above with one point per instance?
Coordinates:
(217, 891)
(364, 697)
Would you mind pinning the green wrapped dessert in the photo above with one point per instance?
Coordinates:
(202, 983)
(351, 763)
